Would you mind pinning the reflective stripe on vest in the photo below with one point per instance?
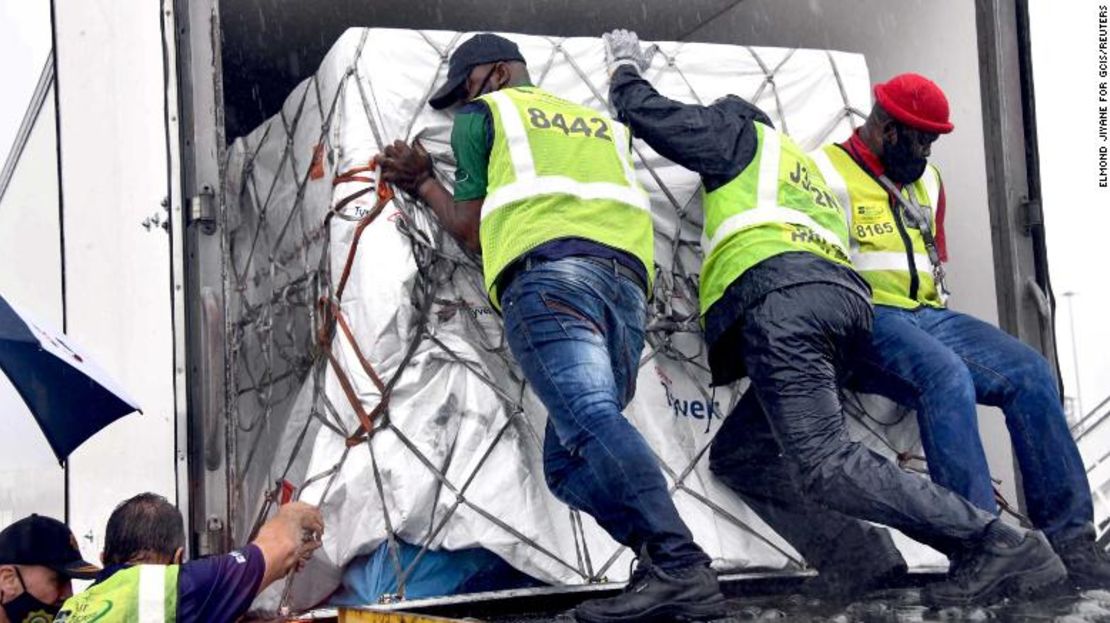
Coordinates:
(528, 184)
(888, 260)
(152, 582)
(138, 594)
(878, 251)
(553, 184)
(837, 186)
(767, 209)
(539, 189)
(778, 204)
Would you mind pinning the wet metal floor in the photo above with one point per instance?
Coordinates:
(896, 606)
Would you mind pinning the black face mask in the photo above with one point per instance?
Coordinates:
(28, 609)
(899, 161)
(485, 82)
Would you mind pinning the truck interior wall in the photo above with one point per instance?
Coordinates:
(936, 38)
(115, 176)
(269, 46)
(31, 277)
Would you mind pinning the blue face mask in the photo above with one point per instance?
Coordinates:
(26, 608)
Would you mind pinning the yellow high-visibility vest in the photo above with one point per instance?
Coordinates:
(887, 251)
(779, 203)
(558, 170)
(138, 594)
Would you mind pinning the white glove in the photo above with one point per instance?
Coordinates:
(622, 47)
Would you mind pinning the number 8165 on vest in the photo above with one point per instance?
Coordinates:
(578, 125)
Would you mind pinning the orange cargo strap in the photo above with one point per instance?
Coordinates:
(332, 314)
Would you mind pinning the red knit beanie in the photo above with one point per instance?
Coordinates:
(916, 101)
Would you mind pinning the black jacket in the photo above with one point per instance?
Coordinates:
(718, 142)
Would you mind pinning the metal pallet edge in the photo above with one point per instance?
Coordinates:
(553, 599)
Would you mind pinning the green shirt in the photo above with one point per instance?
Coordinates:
(472, 142)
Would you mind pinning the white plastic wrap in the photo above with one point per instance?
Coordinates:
(444, 415)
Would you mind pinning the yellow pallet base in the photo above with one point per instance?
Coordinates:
(371, 616)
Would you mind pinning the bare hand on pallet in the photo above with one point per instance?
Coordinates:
(283, 539)
(406, 167)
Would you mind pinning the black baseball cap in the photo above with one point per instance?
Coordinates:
(38, 540)
(478, 50)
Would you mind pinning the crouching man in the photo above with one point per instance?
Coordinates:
(780, 299)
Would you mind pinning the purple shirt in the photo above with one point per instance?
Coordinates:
(219, 589)
(216, 589)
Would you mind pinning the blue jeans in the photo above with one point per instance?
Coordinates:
(577, 330)
(941, 363)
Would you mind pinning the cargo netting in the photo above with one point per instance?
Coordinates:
(368, 372)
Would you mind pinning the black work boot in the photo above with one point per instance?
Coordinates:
(1088, 564)
(993, 570)
(690, 594)
(846, 580)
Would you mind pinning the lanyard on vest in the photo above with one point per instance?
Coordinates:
(922, 223)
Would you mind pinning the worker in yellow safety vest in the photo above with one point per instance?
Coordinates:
(145, 581)
(38, 561)
(546, 190)
(779, 299)
(941, 362)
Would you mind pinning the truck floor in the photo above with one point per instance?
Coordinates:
(756, 597)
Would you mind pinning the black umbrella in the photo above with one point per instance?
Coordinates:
(70, 396)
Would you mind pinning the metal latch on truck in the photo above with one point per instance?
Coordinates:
(202, 210)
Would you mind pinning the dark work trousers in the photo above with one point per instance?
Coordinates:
(746, 456)
(796, 343)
